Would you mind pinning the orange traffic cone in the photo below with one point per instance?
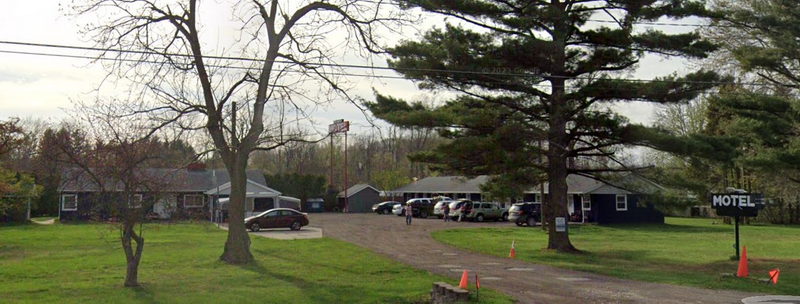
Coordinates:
(743, 271)
(513, 253)
(464, 280)
(773, 275)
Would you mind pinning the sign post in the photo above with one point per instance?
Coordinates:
(340, 126)
(737, 205)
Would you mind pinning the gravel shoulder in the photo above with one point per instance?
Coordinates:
(527, 282)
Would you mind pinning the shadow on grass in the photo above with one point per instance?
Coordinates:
(308, 263)
(670, 228)
(330, 291)
(144, 294)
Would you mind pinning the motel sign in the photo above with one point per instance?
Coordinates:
(737, 204)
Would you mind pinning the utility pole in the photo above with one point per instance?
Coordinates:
(233, 123)
(30, 193)
(346, 184)
(541, 191)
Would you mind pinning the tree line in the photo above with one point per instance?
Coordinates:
(758, 111)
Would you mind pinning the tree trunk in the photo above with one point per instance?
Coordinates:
(557, 187)
(132, 257)
(237, 246)
(558, 144)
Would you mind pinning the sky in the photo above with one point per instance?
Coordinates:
(45, 87)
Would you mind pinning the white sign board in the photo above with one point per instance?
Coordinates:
(561, 224)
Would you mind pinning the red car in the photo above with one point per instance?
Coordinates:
(277, 218)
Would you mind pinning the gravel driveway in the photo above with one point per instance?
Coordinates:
(527, 282)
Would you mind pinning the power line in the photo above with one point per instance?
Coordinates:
(210, 65)
(545, 86)
(440, 71)
(663, 23)
(96, 49)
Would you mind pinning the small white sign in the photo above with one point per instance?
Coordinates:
(561, 224)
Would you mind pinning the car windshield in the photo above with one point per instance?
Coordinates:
(263, 213)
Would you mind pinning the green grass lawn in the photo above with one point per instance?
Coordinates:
(84, 263)
(683, 251)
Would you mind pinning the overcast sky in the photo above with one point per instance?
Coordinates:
(43, 87)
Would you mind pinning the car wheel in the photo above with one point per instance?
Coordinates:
(254, 227)
(479, 218)
(423, 214)
(386, 211)
(519, 223)
(505, 217)
(295, 226)
(531, 221)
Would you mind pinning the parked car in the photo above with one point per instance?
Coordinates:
(421, 207)
(455, 207)
(384, 207)
(277, 218)
(438, 208)
(481, 211)
(399, 209)
(526, 213)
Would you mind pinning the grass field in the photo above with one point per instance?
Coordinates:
(683, 251)
(84, 263)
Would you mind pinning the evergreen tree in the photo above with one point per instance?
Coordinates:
(762, 38)
(535, 79)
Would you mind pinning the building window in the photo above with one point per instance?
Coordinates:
(69, 202)
(622, 203)
(537, 198)
(192, 201)
(136, 201)
(586, 202)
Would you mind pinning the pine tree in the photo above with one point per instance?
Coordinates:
(535, 79)
(761, 39)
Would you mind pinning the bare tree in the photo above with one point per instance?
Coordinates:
(161, 46)
(116, 168)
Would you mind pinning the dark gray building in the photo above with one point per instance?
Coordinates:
(360, 198)
(184, 193)
(589, 200)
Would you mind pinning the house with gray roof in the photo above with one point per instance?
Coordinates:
(359, 198)
(181, 193)
(589, 199)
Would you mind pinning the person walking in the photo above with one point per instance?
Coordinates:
(464, 210)
(409, 214)
(446, 211)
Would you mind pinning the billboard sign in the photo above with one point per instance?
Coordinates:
(339, 126)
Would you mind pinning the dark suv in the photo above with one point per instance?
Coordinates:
(422, 207)
(525, 214)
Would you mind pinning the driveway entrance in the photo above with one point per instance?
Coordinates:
(527, 282)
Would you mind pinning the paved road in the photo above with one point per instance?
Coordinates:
(527, 282)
